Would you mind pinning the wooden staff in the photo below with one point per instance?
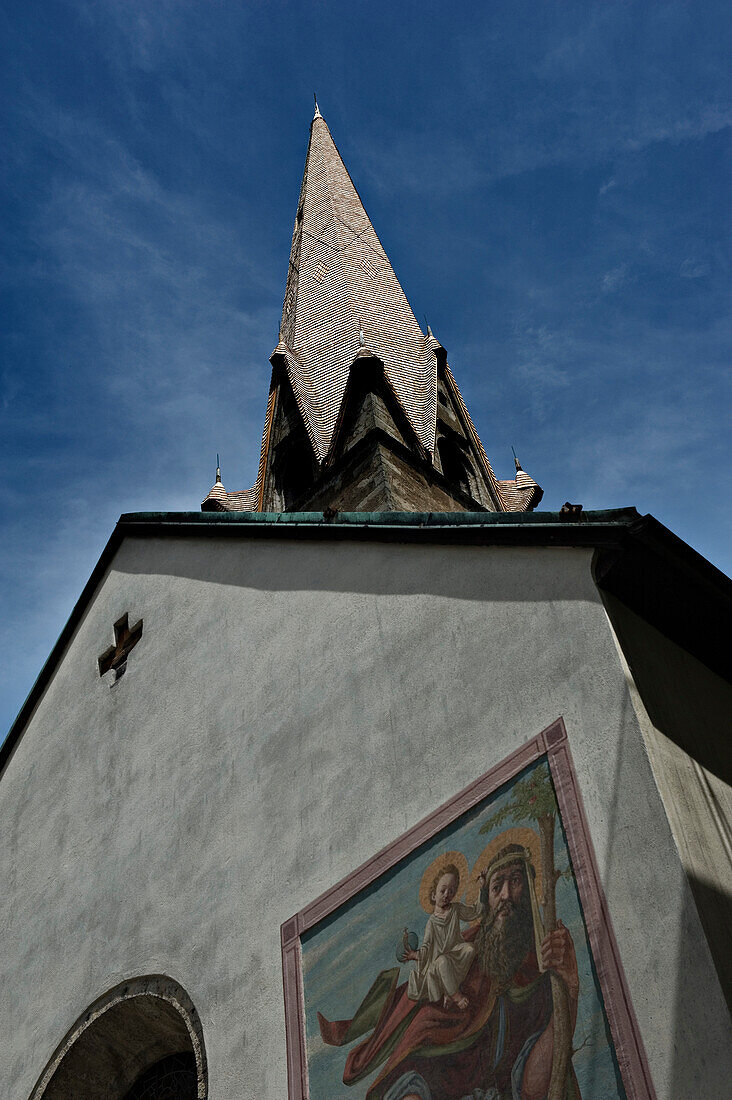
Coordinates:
(562, 1049)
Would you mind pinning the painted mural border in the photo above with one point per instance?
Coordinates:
(553, 744)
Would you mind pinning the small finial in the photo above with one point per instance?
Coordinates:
(317, 109)
(218, 471)
(516, 461)
(361, 337)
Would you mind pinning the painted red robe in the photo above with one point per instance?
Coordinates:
(454, 1051)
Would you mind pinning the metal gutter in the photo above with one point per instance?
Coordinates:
(593, 529)
(617, 516)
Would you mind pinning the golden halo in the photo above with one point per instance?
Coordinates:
(428, 877)
(527, 838)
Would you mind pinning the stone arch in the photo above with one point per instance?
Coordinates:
(120, 1039)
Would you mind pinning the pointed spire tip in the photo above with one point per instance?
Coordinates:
(317, 109)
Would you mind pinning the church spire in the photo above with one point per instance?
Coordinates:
(340, 282)
(364, 412)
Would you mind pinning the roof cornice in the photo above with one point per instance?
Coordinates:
(550, 528)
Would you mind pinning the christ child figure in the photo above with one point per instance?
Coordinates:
(444, 958)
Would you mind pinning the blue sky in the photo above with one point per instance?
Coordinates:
(550, 181)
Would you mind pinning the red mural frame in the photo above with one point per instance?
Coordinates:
(552, 743)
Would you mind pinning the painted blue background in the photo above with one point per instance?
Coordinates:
(342, 958)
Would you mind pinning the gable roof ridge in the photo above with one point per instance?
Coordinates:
(488, 469)
(391, 394)
(305, 395)
(429, 353)
(264, 449)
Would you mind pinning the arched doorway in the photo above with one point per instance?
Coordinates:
(141, 1041)
(172, 1078)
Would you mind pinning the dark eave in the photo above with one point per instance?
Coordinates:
(500, 528)
(637, 559)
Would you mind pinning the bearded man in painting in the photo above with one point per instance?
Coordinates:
(501, 1046)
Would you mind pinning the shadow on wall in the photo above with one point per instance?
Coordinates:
(688, 702)
(480, 573)
(687, 740)
(692, 1041)
(714, 906)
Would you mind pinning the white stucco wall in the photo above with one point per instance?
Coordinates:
(292, 707)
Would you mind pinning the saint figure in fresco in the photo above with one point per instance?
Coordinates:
(500, 1045)
(445, 957)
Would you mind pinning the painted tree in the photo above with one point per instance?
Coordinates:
(532, 799)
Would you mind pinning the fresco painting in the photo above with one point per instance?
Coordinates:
(465, 972)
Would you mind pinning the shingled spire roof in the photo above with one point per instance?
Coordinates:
(347, 330)
(340, 283)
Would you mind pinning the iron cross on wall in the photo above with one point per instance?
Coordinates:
(125, 640)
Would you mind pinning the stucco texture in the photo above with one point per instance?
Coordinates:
(292, 707)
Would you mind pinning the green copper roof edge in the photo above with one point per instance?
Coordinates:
(615, 516)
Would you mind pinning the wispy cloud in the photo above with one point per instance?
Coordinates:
(165, 320)
(658, 443)
(691, 126)
(693, 269)
(170, 297)
(543, 355)
(614, 278)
